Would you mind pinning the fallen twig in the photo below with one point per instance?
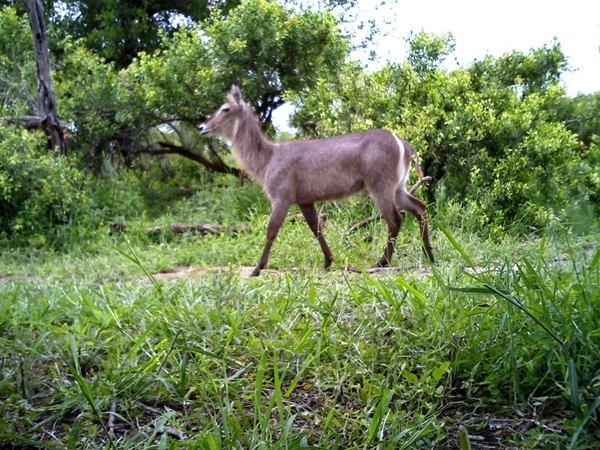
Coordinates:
(112, 416)
(180, 228)
(201, 228)
(296, 217)
(209, 228)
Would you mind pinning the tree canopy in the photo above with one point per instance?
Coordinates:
(119, 30)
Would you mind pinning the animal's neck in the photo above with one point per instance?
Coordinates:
(251, 149)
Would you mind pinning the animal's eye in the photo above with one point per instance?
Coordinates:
(224, 110)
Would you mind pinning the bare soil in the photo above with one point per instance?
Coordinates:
(184, 272)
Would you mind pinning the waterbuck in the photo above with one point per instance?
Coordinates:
(304, 172)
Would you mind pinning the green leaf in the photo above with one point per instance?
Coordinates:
(380, 413)
(438, 372)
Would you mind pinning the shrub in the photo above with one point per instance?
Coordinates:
(38, 189)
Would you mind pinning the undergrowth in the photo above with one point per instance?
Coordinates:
(501, 337)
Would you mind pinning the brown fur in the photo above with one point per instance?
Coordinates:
(303, 172)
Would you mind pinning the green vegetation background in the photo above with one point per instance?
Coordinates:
(97, 350)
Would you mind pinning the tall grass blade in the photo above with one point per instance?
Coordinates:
(574, 395)
(513, 301)
(424, 429)
(258, 386)
(595, 260)
(74, 435)
(584, 420)
(134, 258)
(455, 243)
(85, 389)
(416, 294)
(380, 412)
(26, 442)
(381, 288)
(463, 436)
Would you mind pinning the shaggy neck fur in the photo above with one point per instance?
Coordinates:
(251, 149)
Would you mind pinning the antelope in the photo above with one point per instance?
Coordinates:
(306, 171)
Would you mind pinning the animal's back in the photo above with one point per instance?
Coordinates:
(335, 167)
(345, 151)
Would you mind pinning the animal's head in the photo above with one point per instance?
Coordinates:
(224, 121)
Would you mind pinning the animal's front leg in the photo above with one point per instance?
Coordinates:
(312, 219)
(278, 213)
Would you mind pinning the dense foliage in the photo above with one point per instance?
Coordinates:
(494, 134)
(38, 192)
(500, 328)
(499, 136)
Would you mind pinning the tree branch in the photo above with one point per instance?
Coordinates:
(582, 119)
(166, 148)
(419, 183)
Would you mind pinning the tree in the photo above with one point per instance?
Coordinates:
(119, 30)
(533, 72)
(582, 115)
(17, 67)
(47, 105)
(39, 190)
(264, 47)
(427, 51)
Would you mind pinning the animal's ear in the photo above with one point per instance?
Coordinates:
(235, 95)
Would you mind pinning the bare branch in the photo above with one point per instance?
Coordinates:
(426, 179)
(166, 148)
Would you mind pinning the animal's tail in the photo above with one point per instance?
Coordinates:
(414, 153)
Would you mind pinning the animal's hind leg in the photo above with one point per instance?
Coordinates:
(312, 219)
(393, 219)
(417, 208)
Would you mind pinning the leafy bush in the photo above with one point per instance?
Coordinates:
(38, 190)
(497, 135)
(114, 196)
(17, 65)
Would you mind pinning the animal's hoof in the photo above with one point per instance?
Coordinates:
(255, 272)
(327, 265)
(382, 263)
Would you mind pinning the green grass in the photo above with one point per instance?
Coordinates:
(98, 353)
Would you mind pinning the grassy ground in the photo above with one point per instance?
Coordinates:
(501, 337)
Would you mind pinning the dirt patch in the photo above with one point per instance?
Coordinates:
(184, 272)
(398, 270)
(10, 277)
(497, 429)
(198, 272)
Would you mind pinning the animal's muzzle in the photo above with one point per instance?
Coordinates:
(203, 129)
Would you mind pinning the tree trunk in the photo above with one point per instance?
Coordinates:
(47, 105)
